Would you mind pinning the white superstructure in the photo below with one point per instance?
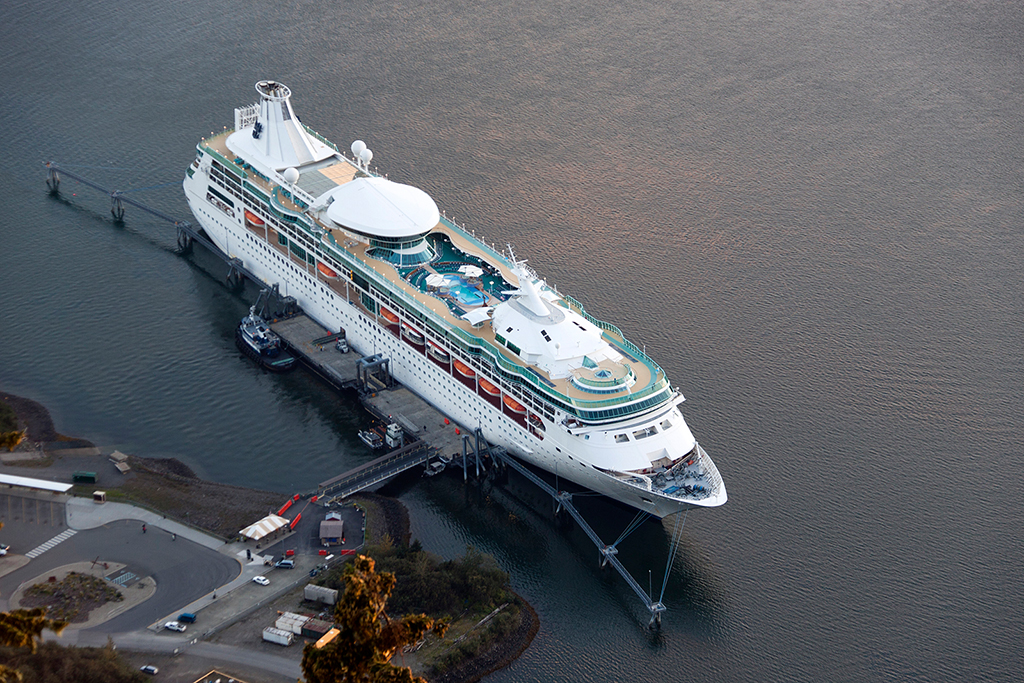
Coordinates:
(474, 332)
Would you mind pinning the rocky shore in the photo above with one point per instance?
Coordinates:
(171, 488)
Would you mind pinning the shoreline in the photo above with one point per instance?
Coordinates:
(159, 481)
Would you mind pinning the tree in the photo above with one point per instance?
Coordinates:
(362, 651)
(24, 628)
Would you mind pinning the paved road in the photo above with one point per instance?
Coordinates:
(183, 570)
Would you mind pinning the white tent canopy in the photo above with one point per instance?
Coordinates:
(267, 525)
(436, 280)
(471, 271)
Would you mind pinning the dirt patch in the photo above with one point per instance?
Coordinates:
(96, 613)
(384, 516)
(169, 486)
(71, 599)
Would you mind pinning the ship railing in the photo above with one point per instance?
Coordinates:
(321, 138)
(606, 383)
(616, 338)
(228, 164)
(472, 239)
(472, 344)
(712, 473)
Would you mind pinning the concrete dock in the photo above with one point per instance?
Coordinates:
(314, 345)
(421, 422)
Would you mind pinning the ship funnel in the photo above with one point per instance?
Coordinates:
(276, 137)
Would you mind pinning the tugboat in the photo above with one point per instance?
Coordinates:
(371, 438)
(256, 340)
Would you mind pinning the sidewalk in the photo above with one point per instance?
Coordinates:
(82, 513)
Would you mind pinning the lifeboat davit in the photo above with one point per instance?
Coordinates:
(438, 353)
(388, 315)
(252, 220)
(325, 270)
(514, 405)
(489, 388)
(464, 369)
(415, 336)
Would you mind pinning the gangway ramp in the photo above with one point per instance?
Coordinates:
(375, 472)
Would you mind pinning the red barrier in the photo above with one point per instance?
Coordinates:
(284, 508)
(313, 499)
(289, 553)
(457, 432)
(348, 552)
(322, 552)
(446, 421)
(295, 521)
(296, 496)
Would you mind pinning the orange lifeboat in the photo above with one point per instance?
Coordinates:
(489, 388)
(325, 270)
(388, 315)
(253, 220)
(513, 405)
(464, 369)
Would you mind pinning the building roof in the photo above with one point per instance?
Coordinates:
(267, 525)
(331, 528)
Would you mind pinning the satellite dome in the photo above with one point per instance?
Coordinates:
(291, 175)
(366, 155)
(357, 147)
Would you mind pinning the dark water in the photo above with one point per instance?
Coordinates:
(809, 212)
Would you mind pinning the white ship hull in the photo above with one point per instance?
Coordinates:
(634, 446)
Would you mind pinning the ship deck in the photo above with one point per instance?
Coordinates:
(412, 283)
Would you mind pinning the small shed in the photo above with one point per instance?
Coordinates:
(332, 531)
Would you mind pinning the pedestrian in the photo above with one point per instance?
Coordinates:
(143, 528)
(174, 537)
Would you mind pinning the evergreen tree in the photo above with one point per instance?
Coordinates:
(368, 639)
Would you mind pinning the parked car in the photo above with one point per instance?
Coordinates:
(149, 669)
(175, 626)
(3, 549)
(187, 618)
(285, 564)
(261, 580)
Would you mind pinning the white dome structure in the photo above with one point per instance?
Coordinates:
(377, 207)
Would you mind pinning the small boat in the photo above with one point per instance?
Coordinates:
(413, 335)
(371, 438)
(514, 405)
(489, 388)
(464, 369)
(388, 315)
(257, 341)
(252, 220)
(438, 353)
(325, 270)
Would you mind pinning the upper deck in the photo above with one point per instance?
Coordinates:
(420, 289)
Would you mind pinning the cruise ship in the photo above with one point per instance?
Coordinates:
(471, 330)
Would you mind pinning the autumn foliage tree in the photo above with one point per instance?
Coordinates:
(23, 628)
(368, 638)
